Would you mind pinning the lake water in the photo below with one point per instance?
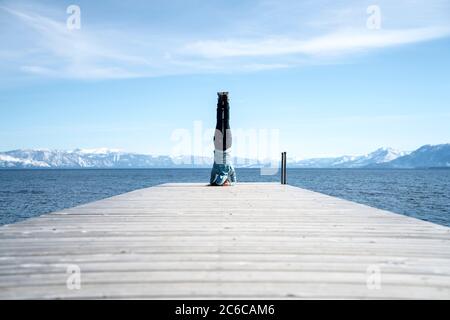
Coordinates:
(424, 194)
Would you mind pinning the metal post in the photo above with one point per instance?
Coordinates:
(282, 171)
(283, 168)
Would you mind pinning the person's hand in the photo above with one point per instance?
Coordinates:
(227, 183)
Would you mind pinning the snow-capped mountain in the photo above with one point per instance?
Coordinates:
(7, 161)
(81, 158)
(381, 155)
(426, 156)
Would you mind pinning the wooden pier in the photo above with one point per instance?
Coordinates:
(250, 241)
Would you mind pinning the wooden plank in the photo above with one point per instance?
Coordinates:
(253, 240)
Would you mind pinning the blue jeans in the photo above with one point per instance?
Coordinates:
(222, 170)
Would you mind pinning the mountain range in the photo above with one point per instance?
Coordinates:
(425, 157)
(379, 156)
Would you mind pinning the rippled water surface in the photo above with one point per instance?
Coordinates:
(424, 194)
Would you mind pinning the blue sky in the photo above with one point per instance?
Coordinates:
(137, 71)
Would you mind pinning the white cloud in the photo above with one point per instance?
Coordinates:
(330, 44)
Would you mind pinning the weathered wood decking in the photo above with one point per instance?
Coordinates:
(247, 241)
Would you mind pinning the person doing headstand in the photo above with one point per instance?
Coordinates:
(222, 173)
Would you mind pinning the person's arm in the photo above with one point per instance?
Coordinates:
(213, 176)
(232, 175)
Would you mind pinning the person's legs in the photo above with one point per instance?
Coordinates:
(222, 136)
